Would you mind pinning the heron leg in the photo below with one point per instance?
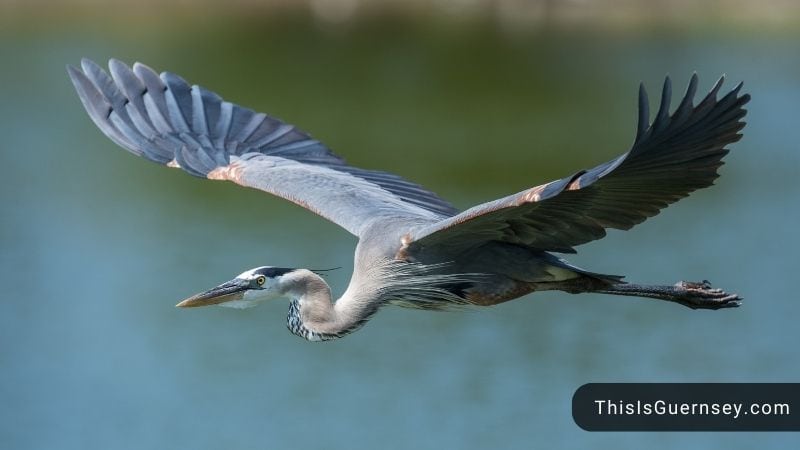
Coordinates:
(695, 295)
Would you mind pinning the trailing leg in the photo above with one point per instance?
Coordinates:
(695, 295)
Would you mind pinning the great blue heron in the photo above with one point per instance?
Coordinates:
(415, 249)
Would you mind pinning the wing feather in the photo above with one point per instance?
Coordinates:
(164, 119)
(669, 159)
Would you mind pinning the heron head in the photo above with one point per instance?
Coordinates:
(248, 289)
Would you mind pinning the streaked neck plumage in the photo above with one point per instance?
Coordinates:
(313, 315)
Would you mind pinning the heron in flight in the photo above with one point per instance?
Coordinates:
(414, 248)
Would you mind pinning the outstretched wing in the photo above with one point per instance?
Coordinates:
(163, 119)
(670, 158)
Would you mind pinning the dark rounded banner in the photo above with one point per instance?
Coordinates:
(687, 407)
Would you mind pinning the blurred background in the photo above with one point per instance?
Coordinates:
(473, 99)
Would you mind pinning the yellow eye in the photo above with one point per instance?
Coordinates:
(261, 280)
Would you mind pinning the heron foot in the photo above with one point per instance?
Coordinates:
(701, 295)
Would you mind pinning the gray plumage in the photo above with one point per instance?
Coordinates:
(415, 249)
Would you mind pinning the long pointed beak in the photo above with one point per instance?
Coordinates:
(225, 292)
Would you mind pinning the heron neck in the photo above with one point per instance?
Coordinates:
(314, 316)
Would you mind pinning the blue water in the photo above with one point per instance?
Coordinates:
(97, 245)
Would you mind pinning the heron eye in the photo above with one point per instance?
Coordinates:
(261, 280)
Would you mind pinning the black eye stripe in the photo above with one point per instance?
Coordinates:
(272, 272)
